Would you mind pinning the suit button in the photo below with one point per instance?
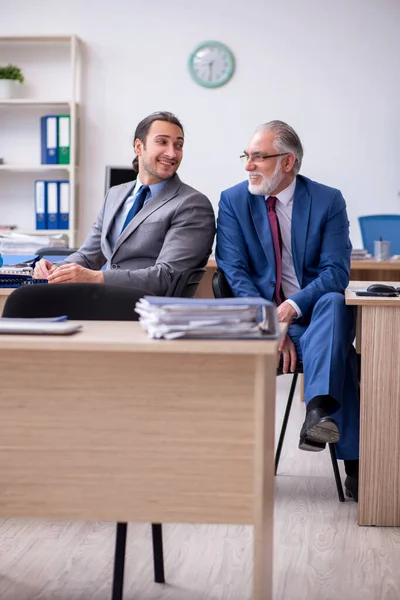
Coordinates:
(114, 266)
(272, 283)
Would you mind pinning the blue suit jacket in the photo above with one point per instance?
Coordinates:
(320, 243)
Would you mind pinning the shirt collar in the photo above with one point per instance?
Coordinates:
(154, 187)
(286, 195)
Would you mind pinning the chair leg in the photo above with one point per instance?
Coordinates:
(285, 420)
(158, 553)
(336, 472)
(119, 562)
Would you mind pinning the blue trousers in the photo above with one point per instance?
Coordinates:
(325, 345)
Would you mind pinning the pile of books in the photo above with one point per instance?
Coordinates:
(225, 318)
(359, 254)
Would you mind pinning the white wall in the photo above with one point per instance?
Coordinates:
(329, 68)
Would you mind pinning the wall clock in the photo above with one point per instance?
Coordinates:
(211, 64)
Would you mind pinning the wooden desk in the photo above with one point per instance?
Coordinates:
(373, 270)
(379, 341)
(365, 270)
(108, 425)
(4, 293)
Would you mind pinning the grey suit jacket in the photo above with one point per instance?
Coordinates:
(173, 232)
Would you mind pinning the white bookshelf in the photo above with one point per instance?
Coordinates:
(34, 102)
(59, 57)
(36, 168)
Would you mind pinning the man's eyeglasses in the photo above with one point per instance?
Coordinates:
(259, 158)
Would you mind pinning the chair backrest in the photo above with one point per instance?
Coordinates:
(50, 251)
(220, 285)
(375, 227)
(78, 301)
(187, 283)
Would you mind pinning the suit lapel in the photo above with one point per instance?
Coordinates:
(167, 193)
(126, 191)
(258, 210)
(300, 219)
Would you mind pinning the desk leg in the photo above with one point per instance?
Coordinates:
(379, 491)
(264, 397)
(119, 562)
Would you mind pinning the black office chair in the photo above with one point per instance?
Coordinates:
(100, 302)
(54, 251)
(222, 289)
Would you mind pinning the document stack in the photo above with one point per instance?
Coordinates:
(23, 244)
(224, 318)
(359, 254)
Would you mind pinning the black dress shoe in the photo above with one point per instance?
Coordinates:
(318, 430)
(351, 487)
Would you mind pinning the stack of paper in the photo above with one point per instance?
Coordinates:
(225, 318)
(359, 254)
(20, 243)
(14, 270)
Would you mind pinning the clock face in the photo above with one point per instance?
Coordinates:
(211, 64)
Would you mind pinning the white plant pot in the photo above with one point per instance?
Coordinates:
(9, 88)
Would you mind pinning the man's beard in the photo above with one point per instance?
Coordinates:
(268, 184)
(151, 169)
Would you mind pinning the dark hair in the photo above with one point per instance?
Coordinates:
(142, 130)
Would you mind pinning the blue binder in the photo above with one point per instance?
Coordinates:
(49, 141)
(63, 205)
(40, 204)
(52, 204)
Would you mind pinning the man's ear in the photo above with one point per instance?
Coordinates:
(288, 162)
(138, 146)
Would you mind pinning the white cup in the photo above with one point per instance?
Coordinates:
(381, 250)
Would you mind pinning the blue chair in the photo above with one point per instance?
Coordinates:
(375, 227)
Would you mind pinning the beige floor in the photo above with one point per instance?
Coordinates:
(320, 552)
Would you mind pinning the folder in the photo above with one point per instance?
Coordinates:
(52, 204)
(64, 139)
(48, 128)
(63, 204)
(40, 204)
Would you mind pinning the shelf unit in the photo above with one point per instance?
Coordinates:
(68, 102)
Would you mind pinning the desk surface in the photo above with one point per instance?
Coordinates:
(6, 291)
(126, 336)
(352, 299)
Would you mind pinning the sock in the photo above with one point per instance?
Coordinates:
(327, 403)
(351, 467)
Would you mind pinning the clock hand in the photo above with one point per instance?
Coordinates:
(210, 64)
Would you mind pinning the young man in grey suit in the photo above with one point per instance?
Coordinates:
(148, 230)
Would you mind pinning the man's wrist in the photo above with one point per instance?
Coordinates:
(296, 308)
(99, 277)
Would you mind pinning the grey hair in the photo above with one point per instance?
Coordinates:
(286, 140)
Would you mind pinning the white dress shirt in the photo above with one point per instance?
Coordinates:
(284, 208)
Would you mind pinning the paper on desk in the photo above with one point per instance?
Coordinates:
(229, 318)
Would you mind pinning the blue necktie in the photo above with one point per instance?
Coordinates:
(137, 205)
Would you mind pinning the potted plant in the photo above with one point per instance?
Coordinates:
(10, 77)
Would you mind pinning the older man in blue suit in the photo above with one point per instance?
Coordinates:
(285, 237)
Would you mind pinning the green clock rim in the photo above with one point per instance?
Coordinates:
(228, 75)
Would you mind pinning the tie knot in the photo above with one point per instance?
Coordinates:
(143, 190)
(271, 202)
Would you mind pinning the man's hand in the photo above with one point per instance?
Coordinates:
(43, 269)
(286, 313)
(288, 351)
(73, 273)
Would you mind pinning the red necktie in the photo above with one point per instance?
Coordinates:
(277, 240)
